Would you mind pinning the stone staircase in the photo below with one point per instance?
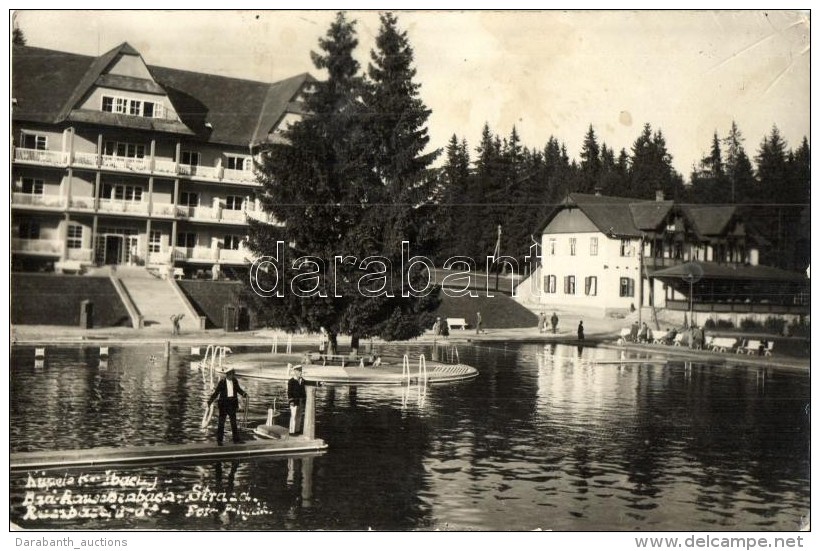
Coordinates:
(155, 298)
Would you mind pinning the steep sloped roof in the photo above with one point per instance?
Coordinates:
(47, 84)
(611, 215)
(711, 220)
(648, 215)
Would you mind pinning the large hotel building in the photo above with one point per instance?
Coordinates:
(119, 162)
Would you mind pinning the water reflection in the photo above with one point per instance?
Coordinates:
(543, 438)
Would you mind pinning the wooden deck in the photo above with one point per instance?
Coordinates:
(166, 453)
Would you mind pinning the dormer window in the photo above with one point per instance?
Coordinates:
(134, 107)
(235, 162)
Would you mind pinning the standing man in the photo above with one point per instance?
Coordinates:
(581, 330)
(554, 322)
(477, 323)
(227, 394)
(296, 398)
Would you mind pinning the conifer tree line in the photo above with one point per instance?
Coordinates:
(499, 181)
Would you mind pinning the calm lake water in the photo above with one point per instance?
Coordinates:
(546, 437)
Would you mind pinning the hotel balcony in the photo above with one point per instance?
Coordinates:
(209, 255)
(45, 247)
(164, 168)
(33, 200)
(126, 207)
(83, 255)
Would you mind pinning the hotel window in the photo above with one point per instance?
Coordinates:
(135, 108)
(188, 199)
(593, 246)
(34, 141)
(569, 285)
(572, 242)
(591, 286)
(32, 186)
(124, 149)
(189, 158)
(233, 202)
(154, 241)
(627, 287)
(552, 246)
(549, 284)
(626, 247)
(233, 162)
(74, 236)
(153, 110)
(29, 229)
(232, 242)
(186, 239)
(120, 192)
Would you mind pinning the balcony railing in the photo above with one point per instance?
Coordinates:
(37, 246)
(162, 167)
(84, 159)
(739, 307)
(162, 257)
(234, 215)
(162, 209)
(82, 203)
(18, 198)
(204, 172)
(129, 164)
(116, 205)
(234, 256)
(40, 156)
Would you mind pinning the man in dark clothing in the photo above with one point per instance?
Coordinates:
(581, 330)
(296, 398)
(554, 322)
(227, 394)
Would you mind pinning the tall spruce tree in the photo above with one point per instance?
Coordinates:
(590, 163)
(327, 189)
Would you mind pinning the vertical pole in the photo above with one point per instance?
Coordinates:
(640, 281)
(307, 481)
(309, 429)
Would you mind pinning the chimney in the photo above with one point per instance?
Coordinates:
(659, 195)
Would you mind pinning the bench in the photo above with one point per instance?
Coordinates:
(722, 344)
(751, 347)
(659, 337)
(459, 323)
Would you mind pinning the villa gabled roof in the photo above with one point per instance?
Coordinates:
(47, 85)
(711, 220)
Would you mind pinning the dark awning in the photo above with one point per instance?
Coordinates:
(713, 270)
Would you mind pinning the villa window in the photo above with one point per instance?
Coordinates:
(233, 202)
(569, 285)
(74, 236)
(34, 141)
(593, 246)
(186, 239)
(627, 287)
(626, 247)
(121, 192)
(572, 242)
(232, 242)
(591, 286)
(552, 246)
(32, 186)
(155, 241)
(549, 284)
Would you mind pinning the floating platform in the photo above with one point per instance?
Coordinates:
(275, 367)
(284, 445)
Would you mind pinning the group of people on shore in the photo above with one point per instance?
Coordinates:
(544, 325)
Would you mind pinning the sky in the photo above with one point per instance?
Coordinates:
(688, 73)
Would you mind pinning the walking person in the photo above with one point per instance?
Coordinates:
(581, 330)
(296, 398)
(175, 319)
(477, 323)
(227, 394)
(542, 322)
(554, 322)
